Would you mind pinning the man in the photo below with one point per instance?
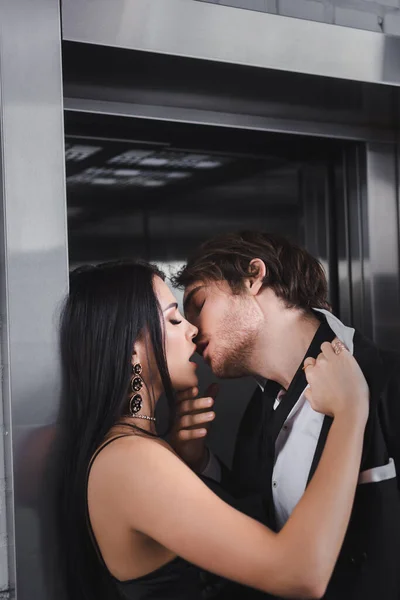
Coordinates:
(260, 304)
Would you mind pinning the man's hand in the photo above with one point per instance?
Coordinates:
(192, 422)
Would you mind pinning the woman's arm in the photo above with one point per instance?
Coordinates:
(165, 500)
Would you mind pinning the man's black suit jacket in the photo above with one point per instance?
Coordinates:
(368, 567)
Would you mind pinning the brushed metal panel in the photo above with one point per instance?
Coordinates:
(368, 242)
(382, 255)
(236, 120)
(33, 269)
(219, 33)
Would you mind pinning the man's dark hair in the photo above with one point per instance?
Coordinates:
(292, 273)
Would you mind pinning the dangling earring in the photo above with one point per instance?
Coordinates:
(136, 401)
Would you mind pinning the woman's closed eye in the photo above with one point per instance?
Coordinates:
(178, 318)
(175, 322)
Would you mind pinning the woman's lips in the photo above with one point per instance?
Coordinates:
(192, 360)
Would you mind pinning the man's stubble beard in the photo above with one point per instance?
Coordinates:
(237, 336)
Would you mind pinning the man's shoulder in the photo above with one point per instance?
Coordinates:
(375, 360)
(391, 363)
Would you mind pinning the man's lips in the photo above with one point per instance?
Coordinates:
(205, 355)
(201, 346)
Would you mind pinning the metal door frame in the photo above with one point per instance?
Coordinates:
(205, 31)
(33, 277)
(368, 244)
(367, 232)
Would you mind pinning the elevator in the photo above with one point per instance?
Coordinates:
(144, 127)
(164, 152)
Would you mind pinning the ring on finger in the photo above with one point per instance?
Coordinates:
(338, 347)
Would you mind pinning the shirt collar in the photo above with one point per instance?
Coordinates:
(343, 333)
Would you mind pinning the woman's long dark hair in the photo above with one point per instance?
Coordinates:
(108, 308)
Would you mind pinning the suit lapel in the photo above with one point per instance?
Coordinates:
(326, 425)
(273, 420)
(367, 357)
(299, 382)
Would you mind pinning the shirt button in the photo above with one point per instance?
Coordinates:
(285, 427)
(274, 483)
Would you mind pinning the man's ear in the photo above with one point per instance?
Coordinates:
(257, 271)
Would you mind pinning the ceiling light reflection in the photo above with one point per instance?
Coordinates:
(127, 172)
(178, 175)
(104, 181)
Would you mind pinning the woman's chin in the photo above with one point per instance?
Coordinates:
(184, 385)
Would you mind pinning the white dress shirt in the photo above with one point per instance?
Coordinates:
(296, 443)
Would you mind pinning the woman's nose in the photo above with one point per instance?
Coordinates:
(194, 331)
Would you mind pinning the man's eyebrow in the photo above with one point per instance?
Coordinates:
(190, 296)
(172, 305)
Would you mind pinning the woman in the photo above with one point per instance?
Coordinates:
(135, 522)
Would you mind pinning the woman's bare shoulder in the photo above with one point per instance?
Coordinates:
(121, 452)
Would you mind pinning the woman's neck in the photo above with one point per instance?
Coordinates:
(128, 424)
